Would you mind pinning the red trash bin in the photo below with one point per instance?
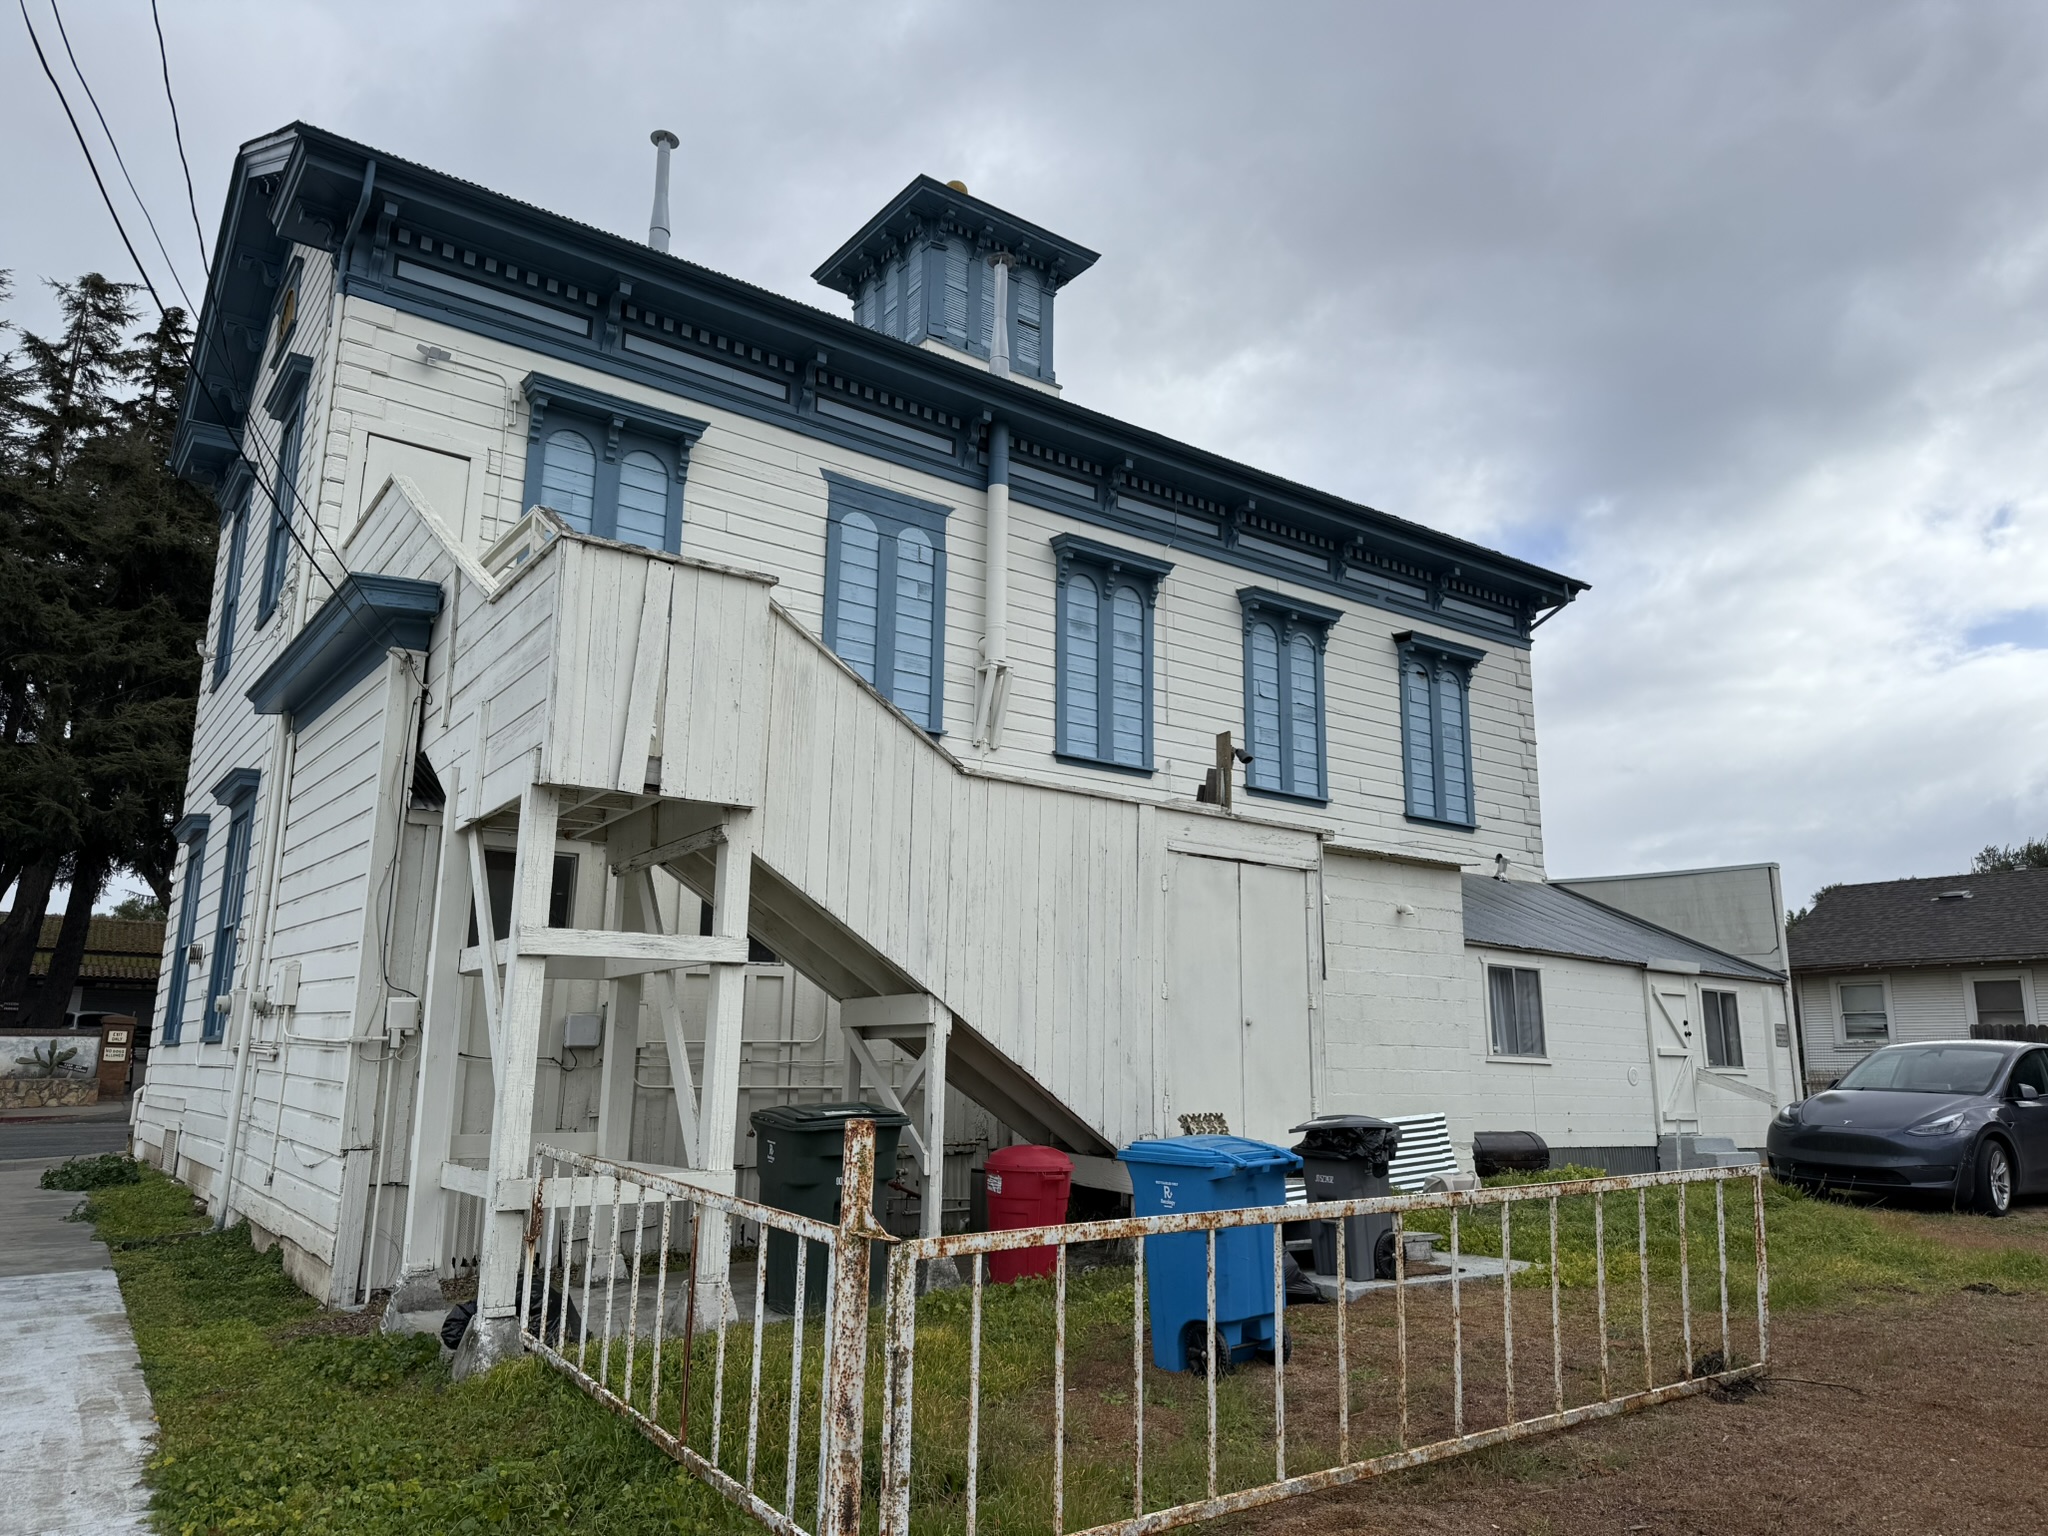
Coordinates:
(1027, 1187)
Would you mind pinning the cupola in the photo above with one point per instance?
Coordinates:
(934, 267)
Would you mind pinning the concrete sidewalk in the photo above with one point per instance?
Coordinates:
(74, 1413)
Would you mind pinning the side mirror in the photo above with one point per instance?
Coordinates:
(2028, 1093)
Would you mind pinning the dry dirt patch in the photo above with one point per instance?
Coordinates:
(1935, 1422)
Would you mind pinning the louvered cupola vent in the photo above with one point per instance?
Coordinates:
(934, 265)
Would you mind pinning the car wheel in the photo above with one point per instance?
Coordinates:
(1994, 1181)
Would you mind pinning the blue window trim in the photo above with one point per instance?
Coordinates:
(1439, 656)
(892, 512)
(344, 641)
(237, 792)
(1289, 616)
(237, 492)
(1113, 568)
(286, 404)
(191, 831)
(614, 428)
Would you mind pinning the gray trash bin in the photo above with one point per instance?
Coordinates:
(1345, 1157)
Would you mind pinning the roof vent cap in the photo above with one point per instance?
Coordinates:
(1951, 896)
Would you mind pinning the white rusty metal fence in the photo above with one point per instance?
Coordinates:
(629, 1288)
(1432, 1373)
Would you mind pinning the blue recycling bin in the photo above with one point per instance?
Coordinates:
(1208, 1173)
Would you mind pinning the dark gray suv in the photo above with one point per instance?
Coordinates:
(1964, 1119)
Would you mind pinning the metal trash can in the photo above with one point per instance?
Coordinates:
(1345, 1157)
(1508, 1152)
(1208, 1173)
(797, 1154)
(1026, 1187)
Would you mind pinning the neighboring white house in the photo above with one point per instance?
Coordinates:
(658, 618)
(1938, 959)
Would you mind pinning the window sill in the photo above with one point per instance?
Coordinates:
(1287, 795)
(1076, 760)
(1725, 1071)
(1438, 821)
(1520, 1061)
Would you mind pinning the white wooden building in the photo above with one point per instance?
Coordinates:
(558, 567)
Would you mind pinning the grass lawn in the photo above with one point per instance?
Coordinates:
(274, 1421)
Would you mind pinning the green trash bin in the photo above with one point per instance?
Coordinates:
(797, 1151)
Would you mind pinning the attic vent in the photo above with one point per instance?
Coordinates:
(1951, 896)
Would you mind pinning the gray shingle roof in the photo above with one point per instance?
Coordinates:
(2003, 920)
(1550, 920)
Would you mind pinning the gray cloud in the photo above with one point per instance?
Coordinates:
(1735, 310)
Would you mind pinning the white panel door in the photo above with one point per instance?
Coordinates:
(1273, 971)
(1204, 1016)
(1675, 1048)
(1237, 994)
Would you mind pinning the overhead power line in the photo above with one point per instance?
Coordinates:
(119, 159)
(178, 133)
(91, 165)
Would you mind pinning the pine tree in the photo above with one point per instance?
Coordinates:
(105, 569)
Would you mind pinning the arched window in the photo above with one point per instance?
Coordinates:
(1127, 672)
(1103, 714)
(568, 477)
(916, 587)
(643, 500)
(858, 610)
(1263, 648)
(1082, 632)
(1283, 693)
(885, 592)
(1436, 728)
(1304, 716)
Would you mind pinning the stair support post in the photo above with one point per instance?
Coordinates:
(519, 1026)
(718, 1110)
(442, 1017)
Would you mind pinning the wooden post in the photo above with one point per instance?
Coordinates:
(442, 1017)
(519, 1023)
(622, 1031)
(718, 1112)
(934, 1202)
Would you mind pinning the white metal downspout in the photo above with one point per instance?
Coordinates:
(999, 318)
(283, 755)
(994, 692)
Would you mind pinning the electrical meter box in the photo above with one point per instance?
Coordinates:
(582, 1031)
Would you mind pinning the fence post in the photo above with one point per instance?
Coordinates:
(846, 1347)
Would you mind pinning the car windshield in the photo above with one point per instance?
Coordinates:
(1928, 1069)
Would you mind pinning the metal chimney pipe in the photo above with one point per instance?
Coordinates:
(657, 223)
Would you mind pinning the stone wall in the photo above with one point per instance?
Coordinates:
(46, 1092)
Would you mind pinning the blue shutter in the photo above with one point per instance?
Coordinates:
(283, 494)
(1305, 733)
(1080, 707)
(1024, 284)
(1127, 677)
(910, 680)
(231, 594)
(188, 926)
(1452, 745)
(892, 279)
(956, 291)
(568, 478)
(1264, 650)
(913, 296)
(234, 880)
(643, 501)
(1419, 727)
(857, 604)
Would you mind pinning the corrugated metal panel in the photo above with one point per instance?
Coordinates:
(1526, 914)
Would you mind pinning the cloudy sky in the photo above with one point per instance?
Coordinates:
(1734, 311)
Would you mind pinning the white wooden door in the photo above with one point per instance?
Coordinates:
(1237, 994)
(1273, 971)
(1675, 1046)
(1204, 1022)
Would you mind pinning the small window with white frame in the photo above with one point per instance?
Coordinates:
(1724, 1028)
(1998, 1003)
(1514, 997)
(1865, 1011)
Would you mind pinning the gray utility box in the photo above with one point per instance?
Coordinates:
(1345, 1157)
